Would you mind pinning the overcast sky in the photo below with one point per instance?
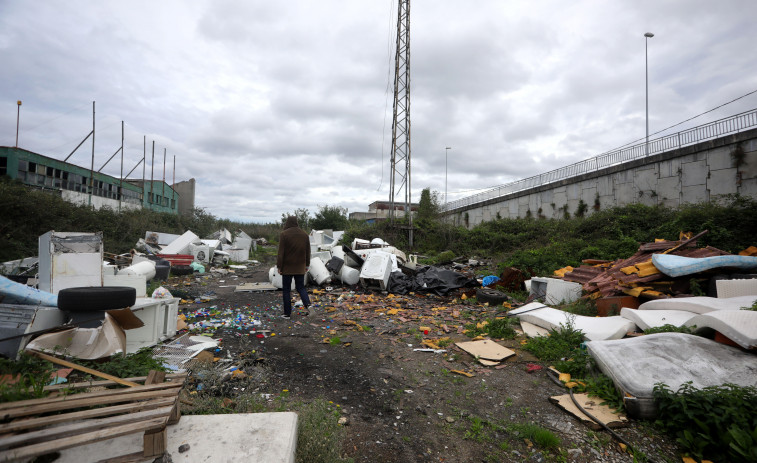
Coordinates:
(274, 106)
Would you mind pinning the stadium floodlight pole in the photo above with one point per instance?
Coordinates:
(648, 36)
(18, 119)
(446, 150)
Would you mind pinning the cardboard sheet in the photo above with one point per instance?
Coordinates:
(592, 405)
(486, 349)
(84, 343)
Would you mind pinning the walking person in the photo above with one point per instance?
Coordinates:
(293, 262)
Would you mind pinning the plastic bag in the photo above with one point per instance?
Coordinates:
(161, 293)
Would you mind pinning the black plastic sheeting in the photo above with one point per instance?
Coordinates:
(429, 279)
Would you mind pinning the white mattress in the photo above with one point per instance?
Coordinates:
(700, 304)
(646, 319)
(593, 328)
(636, 364)
(740, 326)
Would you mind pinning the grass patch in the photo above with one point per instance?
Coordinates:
(497, 328)
(540, 436)
(319, 436)
(125, 366)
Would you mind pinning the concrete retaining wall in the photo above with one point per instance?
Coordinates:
(693, 174)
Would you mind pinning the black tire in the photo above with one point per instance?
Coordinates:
(94, 298)
(492, 296)
(181, 270)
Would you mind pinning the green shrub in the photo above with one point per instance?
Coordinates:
(717, 422)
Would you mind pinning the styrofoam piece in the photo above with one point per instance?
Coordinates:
(349, 275)
(593, 328)
(736, 288)
(275, 278)
(377, 269)
(137, 282)
(145, 269)
(17, 293)
(554, 290)
(318, 271)
(740, 326)
(677, 266)
(265, 437)
(646, 319)
(181, 244)
(636, 364)
(699, 304)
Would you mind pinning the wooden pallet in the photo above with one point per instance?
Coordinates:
(37, 427)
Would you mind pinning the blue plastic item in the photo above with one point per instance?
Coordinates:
(489, 280)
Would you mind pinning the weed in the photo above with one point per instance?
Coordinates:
(716, 422)
(538, 435)
(497, 328)
(476, 430)
(124, 366)
(668, 328)
(752, 307)
(32, 373)
(335, 341)
(319, 436)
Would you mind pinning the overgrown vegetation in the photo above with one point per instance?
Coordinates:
(717, 423)
(24, 378)
(125, 366)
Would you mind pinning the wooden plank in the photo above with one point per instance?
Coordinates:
(30, 423)
(137, 457)
(86, 384)
(155, 377)
(155, 443)
(81, 439)
(87, 402)
(68, 364)
(58, 432)
(105, 393)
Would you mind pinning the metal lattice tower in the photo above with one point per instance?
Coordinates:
(400, 178)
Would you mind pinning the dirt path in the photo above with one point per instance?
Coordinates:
(402, 405)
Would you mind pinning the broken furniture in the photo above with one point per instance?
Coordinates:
(52, 424)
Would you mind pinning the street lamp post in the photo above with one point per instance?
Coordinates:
(18, 118)
(446, 150)
(648, 36)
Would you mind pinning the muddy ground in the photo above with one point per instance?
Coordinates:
(400, 405)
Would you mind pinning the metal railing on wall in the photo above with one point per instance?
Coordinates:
(719, 128)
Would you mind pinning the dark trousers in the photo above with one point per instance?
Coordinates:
(299, 284)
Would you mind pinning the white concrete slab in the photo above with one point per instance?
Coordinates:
(636, 364)
(700, 304)
(740, 326)
(646, 319)
(264, 437)
(593, 328)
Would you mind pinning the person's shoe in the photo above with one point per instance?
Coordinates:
(286, 317)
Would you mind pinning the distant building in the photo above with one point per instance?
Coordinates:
(73, 183)
(379, 210)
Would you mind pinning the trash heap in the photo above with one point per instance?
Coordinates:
(648, 275)
(374, 264)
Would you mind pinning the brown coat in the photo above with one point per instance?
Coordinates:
(294, 249)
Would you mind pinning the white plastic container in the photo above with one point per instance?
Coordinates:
(349, 275)
(318, 271)
(146, 268)
(276, 280)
